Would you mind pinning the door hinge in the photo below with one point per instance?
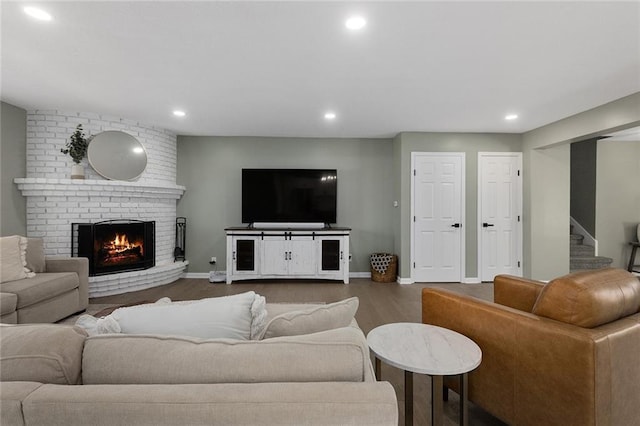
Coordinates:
(518, 263)
(518, 218)
(414, 172)
(414, 218)
(414, 265)
(518, 172)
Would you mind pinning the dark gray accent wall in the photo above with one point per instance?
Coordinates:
(13, 152)
(210, 169)
(583, 184)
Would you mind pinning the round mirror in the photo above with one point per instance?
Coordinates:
(117, 155)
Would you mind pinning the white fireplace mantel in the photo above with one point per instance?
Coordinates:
(86, 187)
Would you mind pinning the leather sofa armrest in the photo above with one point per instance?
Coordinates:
(79, 265)
(516, 292)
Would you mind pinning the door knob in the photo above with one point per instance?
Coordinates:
(486, 225)
(456, 225)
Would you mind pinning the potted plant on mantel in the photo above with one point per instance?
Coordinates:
(76, 147)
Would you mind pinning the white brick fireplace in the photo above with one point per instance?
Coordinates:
(54, 201)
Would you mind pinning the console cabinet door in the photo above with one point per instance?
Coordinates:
(245, 260)
(294, 256)
(302, 256)
(331, 255)
(275, 256)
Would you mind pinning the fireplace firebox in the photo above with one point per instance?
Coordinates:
(114, 245)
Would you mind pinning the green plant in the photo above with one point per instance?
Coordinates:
(76, 147)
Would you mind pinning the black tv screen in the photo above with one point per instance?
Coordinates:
(289, 195)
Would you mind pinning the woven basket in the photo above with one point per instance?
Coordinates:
(387, 275)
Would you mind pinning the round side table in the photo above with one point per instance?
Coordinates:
(426, 349)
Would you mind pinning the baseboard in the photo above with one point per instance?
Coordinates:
(401, 280)
(360, 275)
(206, 274)
(471, 280)
(197, 275)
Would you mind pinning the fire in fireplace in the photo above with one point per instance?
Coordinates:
(115, 245)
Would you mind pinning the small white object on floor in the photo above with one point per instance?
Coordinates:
(217, 277)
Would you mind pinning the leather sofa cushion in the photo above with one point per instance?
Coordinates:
(46, 353)
(334, 355)
(41, 287)
(591, 298)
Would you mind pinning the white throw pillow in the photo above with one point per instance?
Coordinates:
(13, 258)
(312, 320)
(219, 317)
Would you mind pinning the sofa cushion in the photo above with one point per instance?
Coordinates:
(41, 287)
(216, 317)
(312, 320)
(46, 353)
(8, 303)
(334, 355)
(35, 255)
(13, 394)
(229, 404)
(591, 298)
(12, 259)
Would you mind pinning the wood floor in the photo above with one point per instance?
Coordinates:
(380, 303)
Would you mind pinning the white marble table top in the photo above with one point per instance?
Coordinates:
(424, 349)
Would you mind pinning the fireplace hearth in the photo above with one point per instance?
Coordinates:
(115, 245)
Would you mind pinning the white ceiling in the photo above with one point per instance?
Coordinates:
(274, 68)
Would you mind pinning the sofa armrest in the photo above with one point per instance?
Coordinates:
(535, 370)
(79, 265)
(516, 292)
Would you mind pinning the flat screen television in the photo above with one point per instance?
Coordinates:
(289, 195)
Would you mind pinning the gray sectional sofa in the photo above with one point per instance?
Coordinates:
(59, 288)
(57, 375)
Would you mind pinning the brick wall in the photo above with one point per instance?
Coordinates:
(48, 131)
(54, 201)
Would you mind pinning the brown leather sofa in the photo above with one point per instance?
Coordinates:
(562, 353)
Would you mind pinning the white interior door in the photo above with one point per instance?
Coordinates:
(499, 214)
(437, 210)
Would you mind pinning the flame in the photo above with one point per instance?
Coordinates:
(120, 243)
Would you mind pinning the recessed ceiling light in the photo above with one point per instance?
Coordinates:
(355, 23)
(330, 115)
(511, 116)
(179, 113)
(138, 150)
(40, 14)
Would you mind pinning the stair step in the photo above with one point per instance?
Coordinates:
(576, 239)
(589, 262)
(581, 250)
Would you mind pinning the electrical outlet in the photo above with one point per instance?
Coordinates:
(213, 260)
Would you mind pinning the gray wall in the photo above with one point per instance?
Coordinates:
(618, 199)
(210, 169)
(583, 184)
(13, 152)
(469, 143)
(546, 181)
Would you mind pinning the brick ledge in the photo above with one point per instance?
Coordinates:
(44, 186)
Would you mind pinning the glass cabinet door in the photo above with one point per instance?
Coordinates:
(245, 255)
(331, 255)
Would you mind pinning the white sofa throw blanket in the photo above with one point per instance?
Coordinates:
(241, 316)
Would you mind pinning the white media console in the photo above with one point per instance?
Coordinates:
(314, 253)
